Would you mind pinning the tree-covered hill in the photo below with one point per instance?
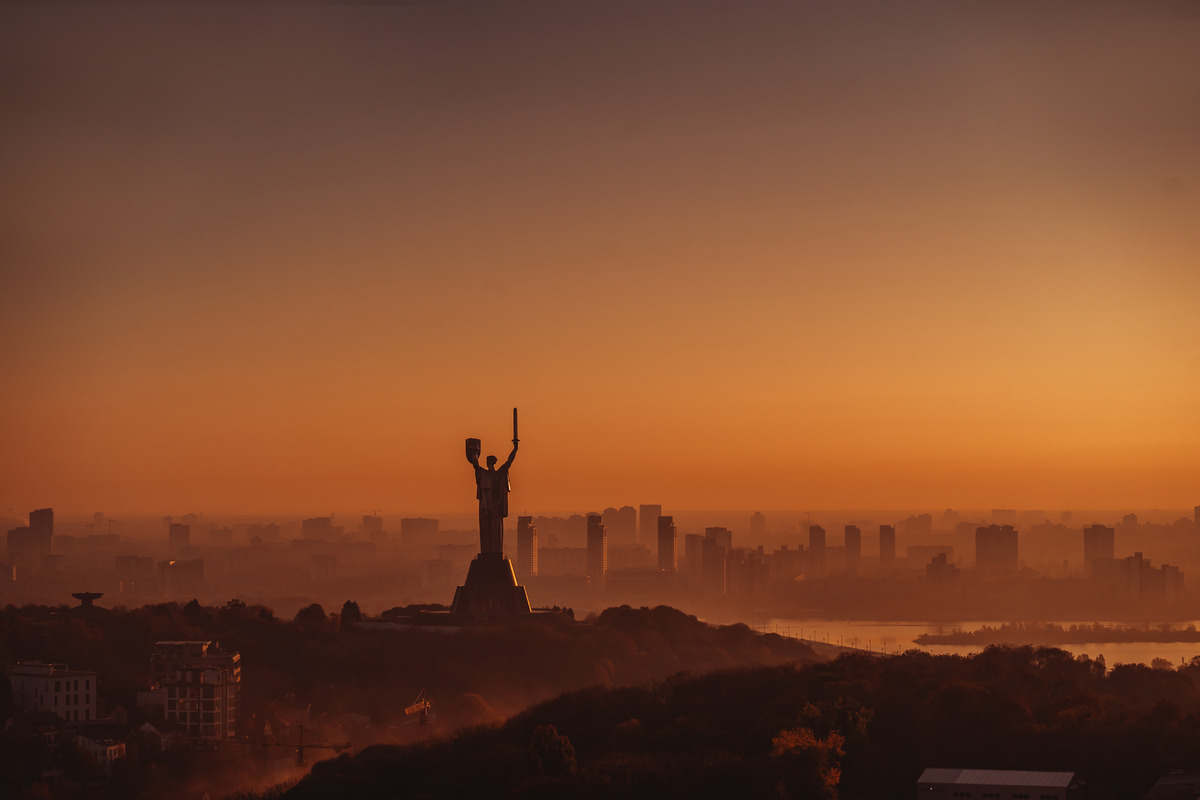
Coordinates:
(858, 727)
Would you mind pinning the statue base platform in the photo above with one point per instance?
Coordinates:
(491, 588)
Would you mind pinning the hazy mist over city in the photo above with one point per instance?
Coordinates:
(826, 374)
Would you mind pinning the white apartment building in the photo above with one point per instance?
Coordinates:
(37, 686)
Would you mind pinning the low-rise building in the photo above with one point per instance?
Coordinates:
(993, 784)
(103, 747)
(37, 686)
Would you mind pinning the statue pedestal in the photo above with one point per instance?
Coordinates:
(491, 588)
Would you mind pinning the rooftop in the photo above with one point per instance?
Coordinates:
(997, 777)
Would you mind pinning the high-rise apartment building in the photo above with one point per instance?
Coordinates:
(372, 527)
(620, 524)
(317, 528)
(597, 550)
(1099, 543)
(179, 536)
(28, 545)
(996, 549)
(712, 568)
(887, 545)
(41, 521)
(181, 578)
(668, 545)
(722, 536)
(527, 547)
(853, 548)
(758, 528)
(816, 551)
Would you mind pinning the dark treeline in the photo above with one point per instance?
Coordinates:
(1053, 633)
(858, 727)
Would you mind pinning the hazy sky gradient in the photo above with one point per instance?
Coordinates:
(726, 255)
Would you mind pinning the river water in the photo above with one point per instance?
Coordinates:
(896, 637)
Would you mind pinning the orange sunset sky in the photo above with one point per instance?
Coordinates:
(720, 254)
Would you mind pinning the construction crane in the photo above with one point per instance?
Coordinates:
(420, 706)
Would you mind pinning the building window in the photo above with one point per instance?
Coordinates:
(58, 686)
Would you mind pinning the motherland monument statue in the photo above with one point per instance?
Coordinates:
(491, 490)
(491, 586)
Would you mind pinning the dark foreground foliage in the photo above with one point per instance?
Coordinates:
(858, 727)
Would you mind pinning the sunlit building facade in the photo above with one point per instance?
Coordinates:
(200, 683)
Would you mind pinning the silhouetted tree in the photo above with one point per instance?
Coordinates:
(312, 618)
(351, 612)
(552, 753)
(193, 610)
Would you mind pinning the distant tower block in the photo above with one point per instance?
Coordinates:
(527, 548)
(853, 548)
(758, 528)
(712, 557)
(1099, 544)
(887, 545)
(816, 551)
(620, 524)
(996, 549)
(179, 536)
(597, 550)
(722, 536)
(668, 545)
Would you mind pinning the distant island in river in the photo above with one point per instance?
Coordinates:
(1050, 633)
